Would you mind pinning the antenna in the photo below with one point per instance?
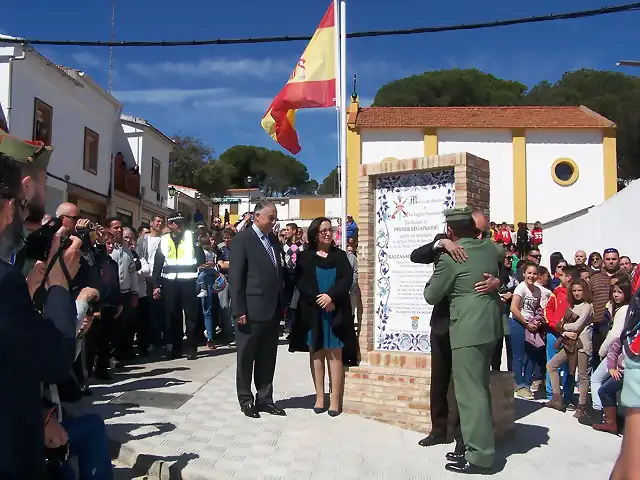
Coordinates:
(354, 95)
(111, 37)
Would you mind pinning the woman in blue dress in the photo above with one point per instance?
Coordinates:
(323, 325)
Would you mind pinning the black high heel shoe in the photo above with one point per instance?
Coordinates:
(334, 413)
(318, 410)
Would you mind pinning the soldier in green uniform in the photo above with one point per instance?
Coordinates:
(476, 325)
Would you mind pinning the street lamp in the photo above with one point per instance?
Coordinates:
(249, 179)
(173, 193)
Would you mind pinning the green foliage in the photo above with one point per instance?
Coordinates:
(611, 94)
(191, 164)
(450, 88)
(330, 185)
(274, 172)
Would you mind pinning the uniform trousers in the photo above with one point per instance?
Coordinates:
(439, 389)
(180, 303)
(257, 346)
(471, 376)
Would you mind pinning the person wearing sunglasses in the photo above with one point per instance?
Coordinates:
(533, 256)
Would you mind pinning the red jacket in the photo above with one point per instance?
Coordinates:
(556, 308)
(635, 281)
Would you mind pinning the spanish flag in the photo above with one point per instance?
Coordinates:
(312, 85)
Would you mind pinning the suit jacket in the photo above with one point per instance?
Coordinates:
(255, 284)
(476, 318)
(427, 254)
(34, 349)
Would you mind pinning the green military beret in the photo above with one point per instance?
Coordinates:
(458, 213)
(25, 151)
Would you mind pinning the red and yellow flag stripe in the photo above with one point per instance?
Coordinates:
(312, 85)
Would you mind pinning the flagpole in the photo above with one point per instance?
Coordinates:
(343, 120)
(338, 93)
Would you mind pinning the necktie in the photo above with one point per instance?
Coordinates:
(267, 245)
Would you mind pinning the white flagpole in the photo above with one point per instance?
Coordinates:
(343, 119)
(336, 18)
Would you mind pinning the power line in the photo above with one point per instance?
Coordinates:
(374, 33)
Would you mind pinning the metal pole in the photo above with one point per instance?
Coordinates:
(343, 119)
(111, 37)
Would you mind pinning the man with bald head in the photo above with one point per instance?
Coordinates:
(580, 258)
(69, 214)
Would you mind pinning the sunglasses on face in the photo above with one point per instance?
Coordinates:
(536, 256)
(561, 267)
(70, 217)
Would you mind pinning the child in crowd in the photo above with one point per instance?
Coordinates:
(208, 272)
(609, 390)
(574, 346)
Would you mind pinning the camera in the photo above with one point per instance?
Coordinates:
(37, 245)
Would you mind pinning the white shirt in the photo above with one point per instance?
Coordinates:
(152, 247)
(530, 300)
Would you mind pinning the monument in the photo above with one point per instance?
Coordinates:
(401, 204)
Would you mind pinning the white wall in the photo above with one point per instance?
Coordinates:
(610, 224)
(154, 147)
(493, 145)
(378, 144)
(546, 200)
(55, 195)
(74, 108)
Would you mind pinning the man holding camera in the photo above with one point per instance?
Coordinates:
(35, 348)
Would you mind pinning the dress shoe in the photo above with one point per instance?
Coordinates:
(250, 411)
(458, 453)
(467, 467)
(432, 440)
(271, 409)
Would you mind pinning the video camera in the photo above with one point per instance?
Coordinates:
(37, 245)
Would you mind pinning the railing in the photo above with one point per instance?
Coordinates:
(126, 180)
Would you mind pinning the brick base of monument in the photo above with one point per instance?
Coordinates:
(394, 388)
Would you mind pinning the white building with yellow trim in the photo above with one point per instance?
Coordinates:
(545, 162)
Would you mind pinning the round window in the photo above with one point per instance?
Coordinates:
(564, 172)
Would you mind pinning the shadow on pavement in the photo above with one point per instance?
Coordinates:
(156, 467)
(526, 407)
(143, 384)
(307, 402)
(525, 438)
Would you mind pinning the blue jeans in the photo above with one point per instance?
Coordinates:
(88, 441)
(516, 338)
(608, 392)
(568, 383)
(205, 279)
(598, 377)
(536, 366)
(210, 311)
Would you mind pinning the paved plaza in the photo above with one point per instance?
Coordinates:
(179, 419)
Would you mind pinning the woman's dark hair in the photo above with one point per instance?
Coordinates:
(624, 284)
(542, 270)
(526, 264)
(591, 257)
(314, 230)
(554, 259)
(587, 295)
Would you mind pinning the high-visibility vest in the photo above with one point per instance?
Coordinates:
(179, 263)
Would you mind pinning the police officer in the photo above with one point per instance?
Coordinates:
(175, 271)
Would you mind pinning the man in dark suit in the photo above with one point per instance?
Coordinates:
(256, 286)
(440, 341)
(34, 348)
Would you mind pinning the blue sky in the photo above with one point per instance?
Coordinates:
(219, 93)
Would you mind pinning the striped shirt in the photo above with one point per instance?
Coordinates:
(600, 284)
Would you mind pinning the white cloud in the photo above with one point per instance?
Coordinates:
(228, 67)
(87, 59)
(198, 99)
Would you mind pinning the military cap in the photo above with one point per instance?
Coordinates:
(25, 151)
(458, 213)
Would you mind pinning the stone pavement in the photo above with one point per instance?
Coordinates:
(200, 433)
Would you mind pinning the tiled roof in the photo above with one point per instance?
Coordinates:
(480, 117)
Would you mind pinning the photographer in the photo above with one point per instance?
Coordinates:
(32, 361)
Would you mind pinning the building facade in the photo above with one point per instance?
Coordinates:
(65, 108)
(545, 162)
(141, 171)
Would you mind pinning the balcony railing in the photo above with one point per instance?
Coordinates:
(126, 180)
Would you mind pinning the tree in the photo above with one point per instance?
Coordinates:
(330, 184)
(611, 94)
(274, 172)
(450, 88)
(192, 164)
